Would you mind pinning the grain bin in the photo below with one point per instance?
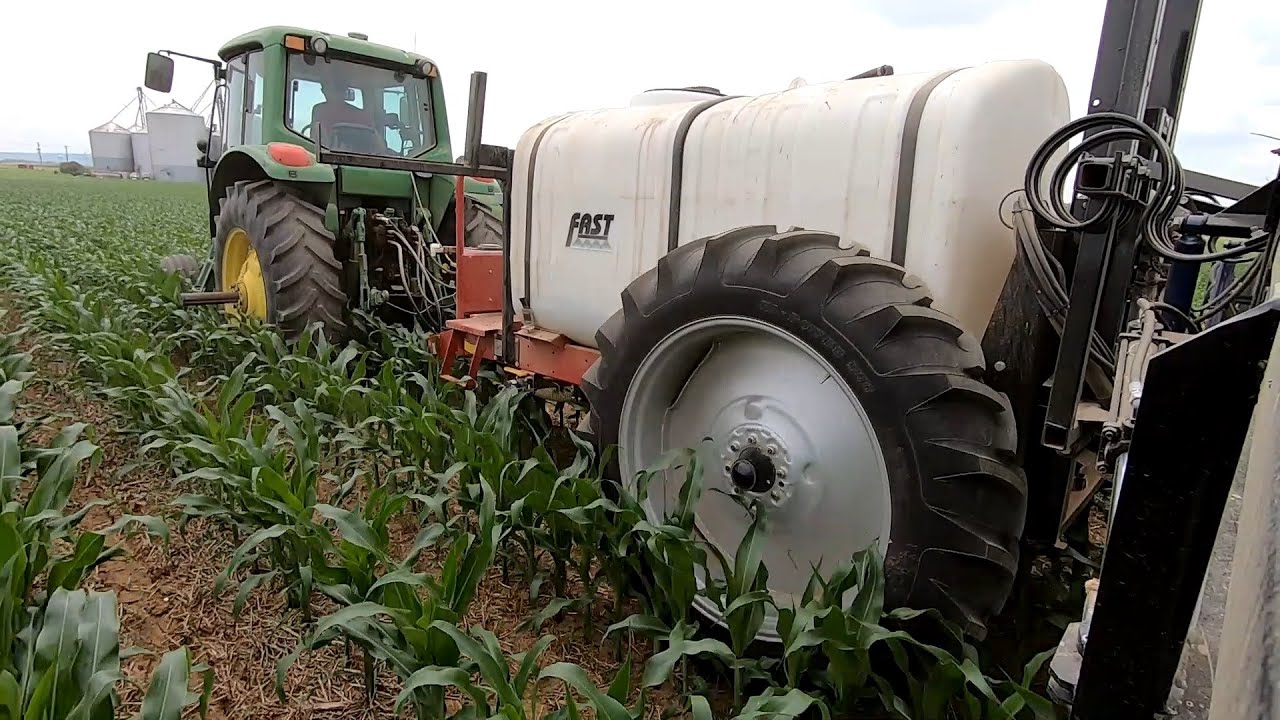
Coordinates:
(173, 132)
(112, 149)
(141, 141)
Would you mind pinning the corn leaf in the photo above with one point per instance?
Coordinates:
(168, 694)
(659, 667)
(433, 676)
(576, 678)
(792, 704)
(353, 529)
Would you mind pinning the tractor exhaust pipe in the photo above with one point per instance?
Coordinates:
(195, 299)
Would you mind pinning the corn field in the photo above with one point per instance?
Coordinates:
(199, 519)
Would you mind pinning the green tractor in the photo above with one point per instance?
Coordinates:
(296, 242)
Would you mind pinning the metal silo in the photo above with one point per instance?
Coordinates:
(141, 141)
(173, 132)
(112, 148)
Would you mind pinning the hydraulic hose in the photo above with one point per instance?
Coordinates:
(1155, 220)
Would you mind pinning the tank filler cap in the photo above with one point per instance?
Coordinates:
(358, 35)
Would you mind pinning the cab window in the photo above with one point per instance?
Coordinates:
(355, 107)
(233, 129)
(243, 110)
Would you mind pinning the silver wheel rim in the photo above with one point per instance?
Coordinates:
(725, 384)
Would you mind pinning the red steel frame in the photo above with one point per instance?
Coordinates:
(476, 328)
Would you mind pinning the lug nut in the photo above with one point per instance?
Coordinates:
(781, 473)
(733, 447)
(777, 494)
(751, 439)
(728, 468)
(771, 450)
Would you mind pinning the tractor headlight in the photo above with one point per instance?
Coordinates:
(427, 69)
(320, 45)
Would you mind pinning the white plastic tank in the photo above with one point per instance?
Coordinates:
(141, 141)
(173, 132)
(112, 149)
(825, 156)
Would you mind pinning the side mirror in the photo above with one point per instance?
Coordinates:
(203, 145)
(159, 76)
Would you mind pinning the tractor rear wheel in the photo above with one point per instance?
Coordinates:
(483, 228)
(274, 249)
(819, 382)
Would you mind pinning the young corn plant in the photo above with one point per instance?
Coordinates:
(408, 428)
(15, 371)
(768, 705)
(498, 694)
(413, 602)
(742, 597)
(669, 554)
(841, 641)
(264, 484)
(501, 694)
(332, 379)
(59, 645)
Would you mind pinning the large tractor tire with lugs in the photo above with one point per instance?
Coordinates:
(272, 247)
(483, 228)
(819, 382)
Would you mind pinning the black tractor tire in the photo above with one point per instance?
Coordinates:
(958, 500)
(303, 278)
(483, 228)
(184, 265)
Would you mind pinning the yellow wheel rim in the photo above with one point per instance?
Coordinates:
(242, 272)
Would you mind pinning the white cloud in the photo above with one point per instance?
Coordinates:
(549, 57)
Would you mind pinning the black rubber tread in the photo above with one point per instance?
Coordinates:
(302, 276)
(958, 499)
(185, 265)
(483, 228)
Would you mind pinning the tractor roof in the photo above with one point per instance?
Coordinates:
(274, 35)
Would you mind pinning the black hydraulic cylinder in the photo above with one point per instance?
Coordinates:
(1181, 289)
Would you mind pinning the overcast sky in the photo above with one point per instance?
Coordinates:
(66, 67)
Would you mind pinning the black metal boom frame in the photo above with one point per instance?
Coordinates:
(1198, 395)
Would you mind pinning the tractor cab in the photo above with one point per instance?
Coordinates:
(295, 86)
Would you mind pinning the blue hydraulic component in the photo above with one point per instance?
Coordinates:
(1181, 290)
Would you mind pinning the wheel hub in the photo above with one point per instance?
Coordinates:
(757, 463)
(752, 471)
(242, 273)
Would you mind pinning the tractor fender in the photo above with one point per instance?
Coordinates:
(488, 194)
(253, 162)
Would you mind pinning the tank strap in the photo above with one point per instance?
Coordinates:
(907, 166)
(528, 210)
(677, 168)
